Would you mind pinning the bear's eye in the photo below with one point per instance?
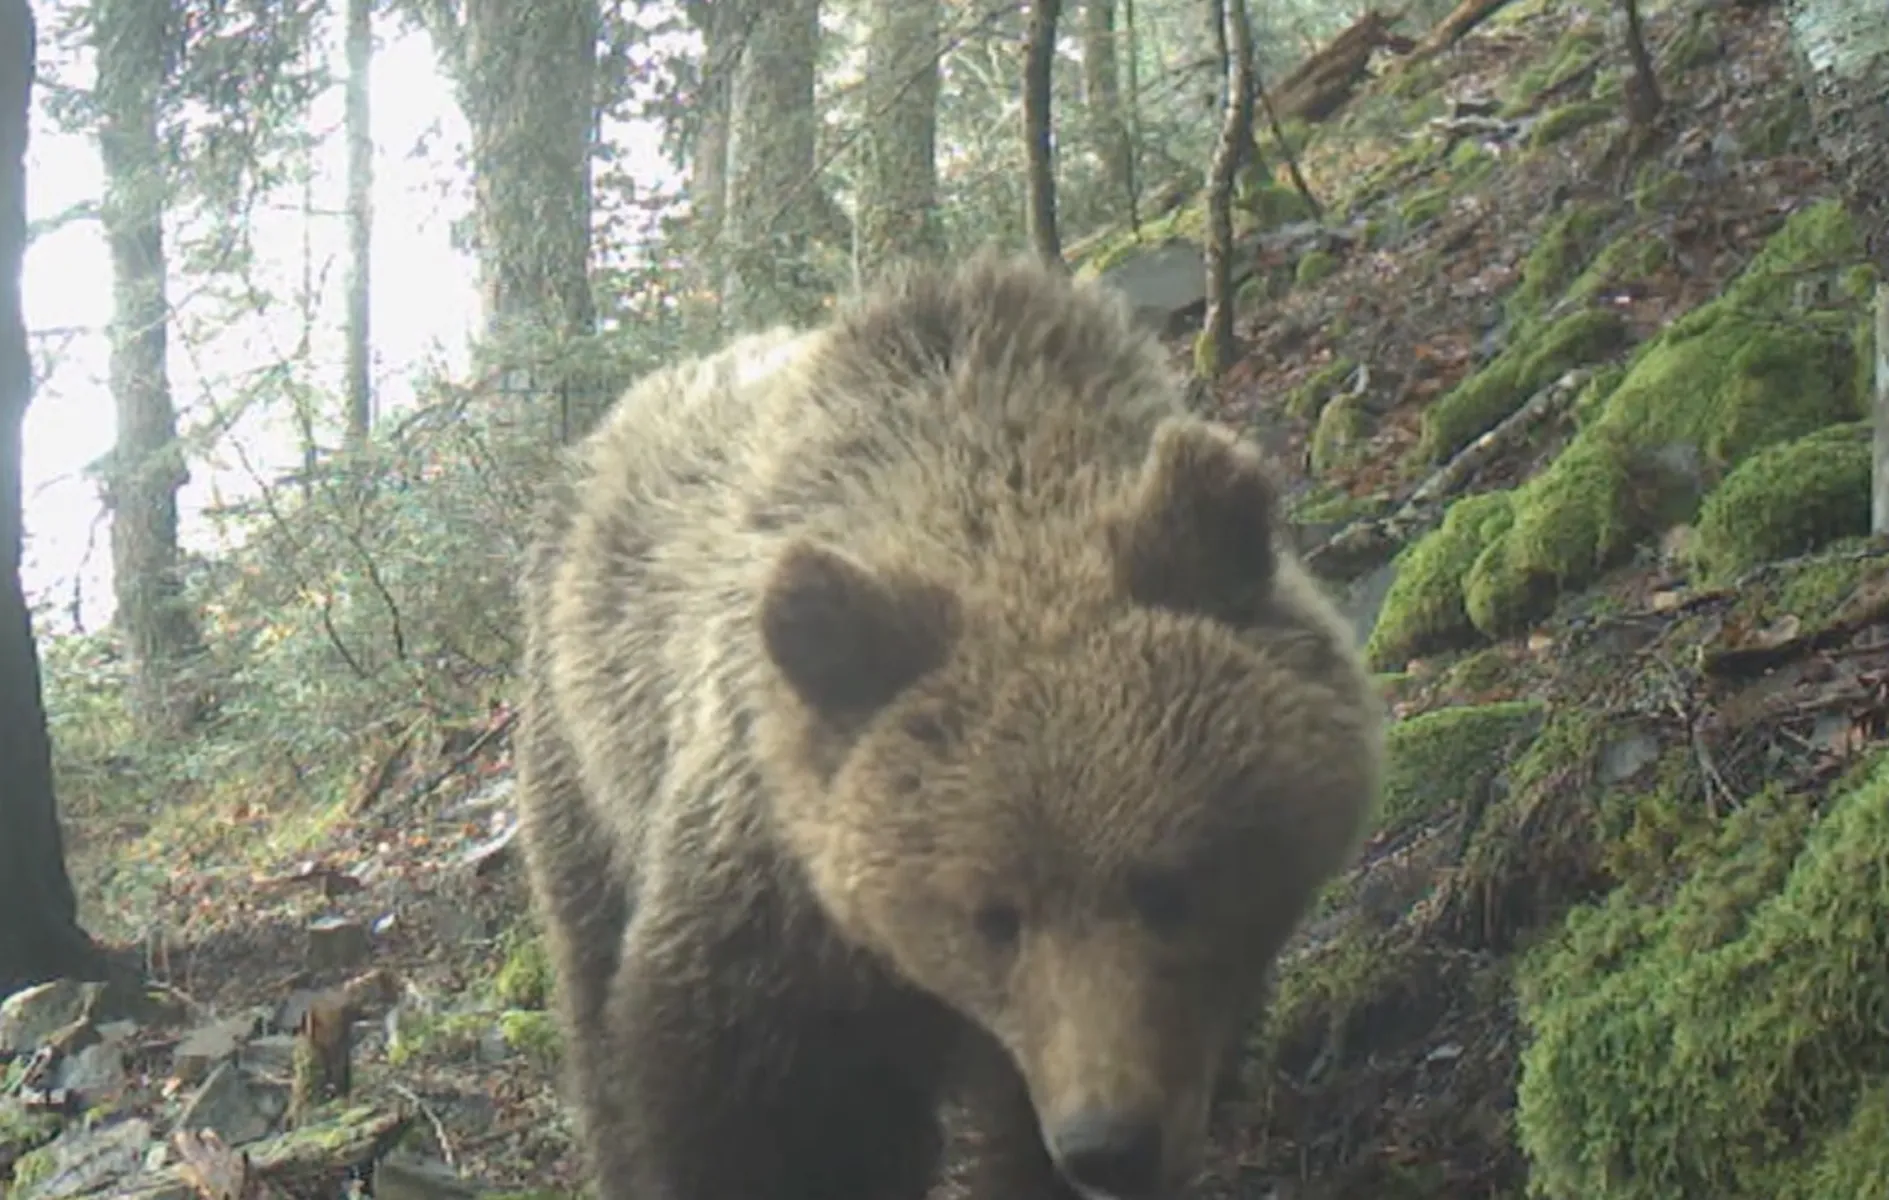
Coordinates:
(999, 924)
(1160, 898)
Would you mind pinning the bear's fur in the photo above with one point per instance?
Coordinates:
(923, 706)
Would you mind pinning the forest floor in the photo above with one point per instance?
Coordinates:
(411, 898)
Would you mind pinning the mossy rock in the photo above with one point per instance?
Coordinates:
(1656, 188)
(1307, 400)
(524, 978)
(1569, 119)
(1341, 428)
(1478, 403)
(1470, 161)
(1448, 755)
(1629, 258)
(1424, 609)
(1271, 205)
(1579, 50)
(1567, 243)
(1786, 500)
(1314, 267)
(1725, 1039)
(1746, 371)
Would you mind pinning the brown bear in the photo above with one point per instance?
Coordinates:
(923, 707)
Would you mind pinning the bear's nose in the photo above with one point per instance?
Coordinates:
(1109, 1155)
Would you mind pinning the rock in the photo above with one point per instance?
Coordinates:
(86, 1160)
(29, 1018)
(336, 943)
(96, 1074)
(205, 1048)
(225, 1106)
(1627, 755)
(273, 1054)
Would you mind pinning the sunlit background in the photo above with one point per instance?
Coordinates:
(425, 309)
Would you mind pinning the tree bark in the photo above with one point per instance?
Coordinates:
(723, 26)
(1642, 93)
(360, 383)
(1236, 131)
(1039, 67)
(527, 84)
(134, 41)
(776, 205)
(898, 202)
(1102, 93)
(40, 937)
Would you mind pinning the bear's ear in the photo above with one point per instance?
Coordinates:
(847, 638)
(1197, 534)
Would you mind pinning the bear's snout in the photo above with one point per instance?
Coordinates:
(1110, 1156)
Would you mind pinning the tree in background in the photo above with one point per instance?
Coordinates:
(1039, 77)
(898, 193)
(1102, 95)
(360, 381)
(777, 211)
(40, 936)
(136, 42)
(526, 77)
(1218, 344)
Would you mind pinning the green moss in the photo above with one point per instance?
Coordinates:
(1656, 188)
(1424, 608)
(1480, 671)
(1566, 244)
(1749, 370)
(532, 1033)
(1787, 499)
(1632, 257)
(1702, 41)
(524, 978)
(1725, 1040)
(1423, 207)
(1270, 205)
(1578, 51)
(1327, 503)
(1325, 1001)
(1308, 399)
(1814, 591)
(1341, 427)
(1470, 161)
(1207, 354)
(1316, 265)
(1569, 119)
(1441, 757)
(1853, 1163)
(1780, 125)
(1478, 403)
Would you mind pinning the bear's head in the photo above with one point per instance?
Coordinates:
(1092, 844)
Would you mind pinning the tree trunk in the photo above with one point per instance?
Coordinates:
(776, 206)
(898, 195)
(724, 28)
(1039, 66)
(360, 220)
(1843, 49)
(1218, 347)
(1642, 94)
(528, 83)
(134, 46)
(1102, 92)
(40, 937)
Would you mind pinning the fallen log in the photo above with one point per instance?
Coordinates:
(1366, 545)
